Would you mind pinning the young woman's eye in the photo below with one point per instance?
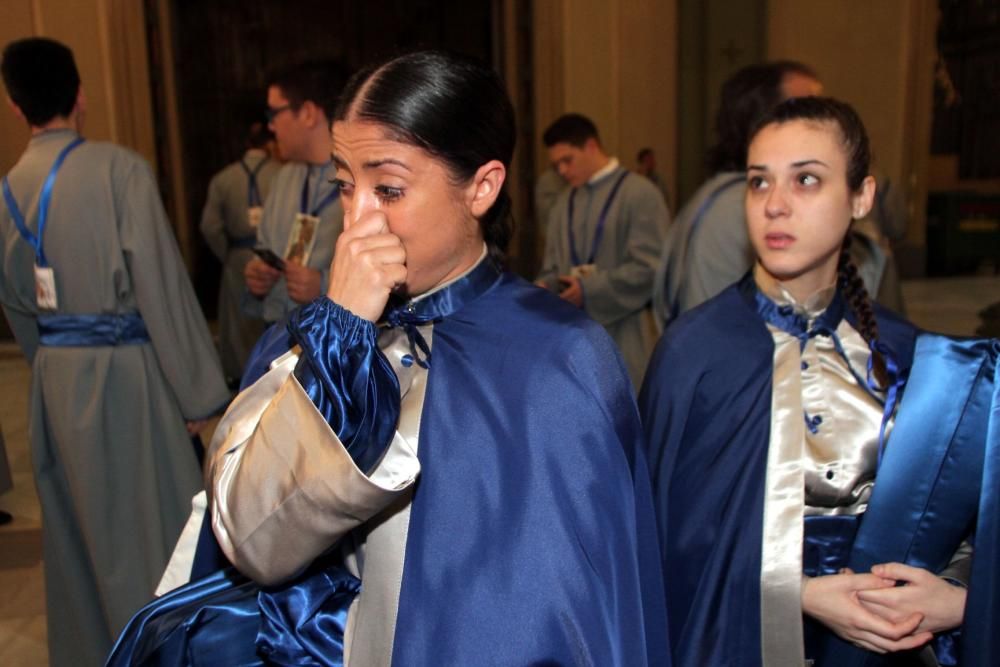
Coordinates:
(756, 183)
(388, 193)
(808, 179)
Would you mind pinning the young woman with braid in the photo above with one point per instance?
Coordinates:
(826, 476)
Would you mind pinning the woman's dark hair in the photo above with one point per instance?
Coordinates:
(41, 78)
(453, 108)
(746, 96)
(854, 140)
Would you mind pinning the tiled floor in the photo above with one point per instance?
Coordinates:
(950, 305)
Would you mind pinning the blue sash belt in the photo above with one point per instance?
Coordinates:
(92, 330)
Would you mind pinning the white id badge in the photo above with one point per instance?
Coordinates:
(45, 288)
(254, 215)
(302, 239)
(582, 270)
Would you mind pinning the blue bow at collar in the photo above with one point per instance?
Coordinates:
(437, 305)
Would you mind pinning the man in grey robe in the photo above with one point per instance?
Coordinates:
(229, 224)
(303, 196)
(101, 305)
(604, 238)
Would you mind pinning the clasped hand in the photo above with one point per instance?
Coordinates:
(873, 612)
(369, 263)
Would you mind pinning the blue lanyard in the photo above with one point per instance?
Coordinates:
(253, 192)
(330, 197)
(601, 220)
(43, 205)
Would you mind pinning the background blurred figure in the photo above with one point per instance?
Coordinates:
(300, 102)
(604, 236)
(646, 160)
(229, 224)
(120, 352)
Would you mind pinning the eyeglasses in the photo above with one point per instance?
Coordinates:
(272, 112)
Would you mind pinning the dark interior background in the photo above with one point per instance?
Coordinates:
(225, 50)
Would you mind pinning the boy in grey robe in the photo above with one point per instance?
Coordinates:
(604, 238)
(303, 197)
(101, 305)
(229, 224)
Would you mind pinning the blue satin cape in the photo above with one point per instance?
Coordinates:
(706, 406)
(531, 537)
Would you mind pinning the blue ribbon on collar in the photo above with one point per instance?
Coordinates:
(437, 305)
(785, 318)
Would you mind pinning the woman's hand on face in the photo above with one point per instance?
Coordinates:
(941, 604)
(833, 601)
(368, 264)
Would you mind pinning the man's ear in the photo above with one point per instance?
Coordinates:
(311, 114)
(485, 187)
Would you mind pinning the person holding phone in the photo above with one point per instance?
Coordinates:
(443, 463)
(302, 215)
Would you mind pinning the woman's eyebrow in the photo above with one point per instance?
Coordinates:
(339, 162)
(803, 163)
(373, 164)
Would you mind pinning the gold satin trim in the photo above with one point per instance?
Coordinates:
(841, 458)
(782, 640)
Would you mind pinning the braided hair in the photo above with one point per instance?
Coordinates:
(854, 139)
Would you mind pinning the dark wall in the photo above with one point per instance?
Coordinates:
(225, 49)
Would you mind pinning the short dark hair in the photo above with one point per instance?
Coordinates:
(319, 82)
(643, 152)
(746, 96)
(41, 78)
(572, 128)
(454, 108)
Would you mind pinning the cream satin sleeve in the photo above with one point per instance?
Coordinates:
(284, 487)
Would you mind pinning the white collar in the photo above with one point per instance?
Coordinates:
(603, 171)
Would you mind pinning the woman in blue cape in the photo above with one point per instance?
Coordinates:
(460, 484)
(826, 476)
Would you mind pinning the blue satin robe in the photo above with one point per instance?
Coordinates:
(531, 537)
(706, 411)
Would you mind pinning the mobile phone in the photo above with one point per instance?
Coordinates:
(268, 256)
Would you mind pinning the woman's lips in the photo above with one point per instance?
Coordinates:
(778, 240)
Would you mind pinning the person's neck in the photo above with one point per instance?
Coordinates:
(600, 161)
(57, 123)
